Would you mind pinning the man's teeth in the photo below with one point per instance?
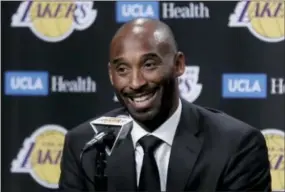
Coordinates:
(142, 98)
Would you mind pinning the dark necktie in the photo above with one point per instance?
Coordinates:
(149, 177)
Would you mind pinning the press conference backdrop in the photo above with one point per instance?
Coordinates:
(54, 61)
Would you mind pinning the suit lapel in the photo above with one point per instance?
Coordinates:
(185, 149)
(121, 168)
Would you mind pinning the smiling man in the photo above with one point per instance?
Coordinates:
(174, 145)
(144, 67)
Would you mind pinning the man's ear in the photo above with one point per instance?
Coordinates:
(179, 64)
(110, 73)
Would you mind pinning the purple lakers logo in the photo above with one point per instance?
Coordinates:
(41, 155)
(54, 21)
(275, 140)
(264, 19)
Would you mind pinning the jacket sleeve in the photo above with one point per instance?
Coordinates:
(70, 176)
(249, 168)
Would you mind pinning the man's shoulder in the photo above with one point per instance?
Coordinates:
(224, 126)
(223, 120)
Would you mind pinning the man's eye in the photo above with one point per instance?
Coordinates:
(121, 69)
(150, 65)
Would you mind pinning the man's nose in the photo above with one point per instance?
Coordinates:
(137, 80)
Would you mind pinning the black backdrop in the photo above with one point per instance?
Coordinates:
(55, 78)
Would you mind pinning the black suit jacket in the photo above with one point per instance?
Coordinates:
(212, 151)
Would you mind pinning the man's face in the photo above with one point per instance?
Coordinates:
(143, 76)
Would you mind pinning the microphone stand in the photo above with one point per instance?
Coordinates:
(101, 179)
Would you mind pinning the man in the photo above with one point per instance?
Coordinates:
(173, 145)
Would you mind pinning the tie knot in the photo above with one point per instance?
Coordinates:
(149, 143)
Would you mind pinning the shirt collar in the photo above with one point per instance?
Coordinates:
(164, 132)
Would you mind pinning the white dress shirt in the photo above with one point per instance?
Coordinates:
(166, 133)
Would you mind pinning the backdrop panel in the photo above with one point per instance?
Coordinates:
(54, 61)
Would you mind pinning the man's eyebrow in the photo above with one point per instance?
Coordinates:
(116, 60)
(150, 55)
(146, 55)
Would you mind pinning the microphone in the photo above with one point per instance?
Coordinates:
(109, 134)
(97, 139)
(109, 131)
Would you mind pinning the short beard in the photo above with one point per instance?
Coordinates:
(167, 102)
(169, 96)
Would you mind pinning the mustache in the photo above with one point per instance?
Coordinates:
(141, 91)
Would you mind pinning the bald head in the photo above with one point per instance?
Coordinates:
(147, 30)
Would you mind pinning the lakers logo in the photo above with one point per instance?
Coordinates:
(54, 21)
(264, 19)
(41, 155)
(275, 140)
(189, 87)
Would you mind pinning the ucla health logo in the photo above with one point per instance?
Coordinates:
(54, 21)
(264, 19)
(26, 83)
(32, 83)
(128, 10)
(244, 85)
